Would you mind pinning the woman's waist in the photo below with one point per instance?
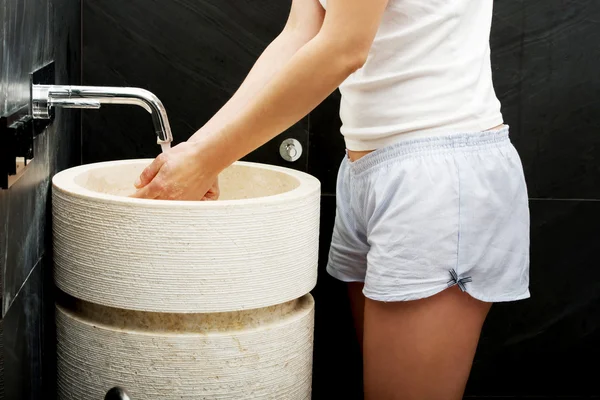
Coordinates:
(354, 155)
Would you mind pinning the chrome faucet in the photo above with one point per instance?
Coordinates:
(44, 97)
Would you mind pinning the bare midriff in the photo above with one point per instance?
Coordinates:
(357, 155)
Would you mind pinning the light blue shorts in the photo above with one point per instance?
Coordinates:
(426, 214)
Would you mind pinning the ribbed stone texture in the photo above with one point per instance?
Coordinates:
(258, 354)
(256, 247)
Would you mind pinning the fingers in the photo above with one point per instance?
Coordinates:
(210, 196)
(151, 191)
(150, 172)
(213, 193)
(167, 179)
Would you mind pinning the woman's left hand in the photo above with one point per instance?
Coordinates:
(180, 173)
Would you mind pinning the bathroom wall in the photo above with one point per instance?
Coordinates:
(33, 33)
(193, 54)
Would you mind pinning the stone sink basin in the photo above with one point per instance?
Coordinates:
(255, 247)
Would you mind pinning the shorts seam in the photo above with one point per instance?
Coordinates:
(459, 220)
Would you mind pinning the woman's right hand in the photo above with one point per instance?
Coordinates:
(185, 172)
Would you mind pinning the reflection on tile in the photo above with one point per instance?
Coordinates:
(545, 346)
(23, 328)
(25, 204)
(337, 362)
(27, 46)
(192, 55)
(38, 32)
(26, 220)
(26, 26)
(3, 246)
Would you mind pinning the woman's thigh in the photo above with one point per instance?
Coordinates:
(421, 349)
(357, 303)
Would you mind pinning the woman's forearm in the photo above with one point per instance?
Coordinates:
(311, 75)
(274, 97)
(271, 61)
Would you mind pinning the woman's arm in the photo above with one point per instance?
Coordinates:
(303, 24)
(317, 69)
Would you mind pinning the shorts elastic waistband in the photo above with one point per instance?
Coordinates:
(432, 145)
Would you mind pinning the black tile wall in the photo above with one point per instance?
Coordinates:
(193, 54)
(23, 207)
(14, 81)
(26, 222)
(23, 329)
(545, 345)
(326, 143)
(546, 74)
(29, 353)
(2, 359)
(35, 33)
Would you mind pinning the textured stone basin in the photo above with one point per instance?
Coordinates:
(257, 247)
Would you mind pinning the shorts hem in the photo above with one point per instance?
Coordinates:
(500, 299)
(340, 276)
(388, 298)
(391, 298)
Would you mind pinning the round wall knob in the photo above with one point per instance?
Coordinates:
(290, 150)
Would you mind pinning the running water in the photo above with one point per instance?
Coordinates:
(165, 146)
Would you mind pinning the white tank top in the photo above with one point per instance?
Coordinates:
(428, 73)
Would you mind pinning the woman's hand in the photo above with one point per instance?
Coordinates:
(179, 174)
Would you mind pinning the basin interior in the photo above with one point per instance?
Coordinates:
(239, 181)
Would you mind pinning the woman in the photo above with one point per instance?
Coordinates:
(432, 219)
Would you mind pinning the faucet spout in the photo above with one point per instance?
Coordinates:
(44, 97)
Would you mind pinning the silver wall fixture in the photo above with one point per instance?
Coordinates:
(17, 132)
(44, 97)
(18, 129)
(290, 150)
